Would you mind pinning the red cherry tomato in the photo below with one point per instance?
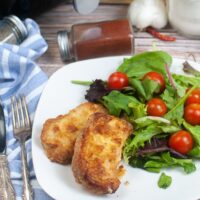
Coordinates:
(156, 107)
(192, 114)
(194, 97)
(117, 81)
(155, 76)
(181, 141)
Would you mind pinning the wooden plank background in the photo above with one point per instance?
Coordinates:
(116, 1)
(63, 16)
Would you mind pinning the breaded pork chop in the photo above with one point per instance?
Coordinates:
(97, 153)
(59, 134)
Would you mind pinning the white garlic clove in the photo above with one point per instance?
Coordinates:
(144, 13)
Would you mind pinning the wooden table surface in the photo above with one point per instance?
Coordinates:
(63, 16)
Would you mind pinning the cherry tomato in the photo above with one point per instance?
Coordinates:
(194, 97)
(117, 81)
(156, 107)
(192, 114)
(181, 141)
(155, 76)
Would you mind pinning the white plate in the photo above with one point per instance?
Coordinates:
(58, 97)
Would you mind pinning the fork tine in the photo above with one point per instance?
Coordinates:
(15, 113)
(21, 112)
(24, 105)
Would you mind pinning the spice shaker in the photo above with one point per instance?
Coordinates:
(12, 30)
(99, 39)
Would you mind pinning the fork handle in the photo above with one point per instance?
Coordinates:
(6, 188)
(27, 190)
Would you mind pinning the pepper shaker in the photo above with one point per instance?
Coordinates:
(12, 30)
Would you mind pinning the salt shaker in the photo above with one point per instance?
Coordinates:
(12, 30)
(99, 39)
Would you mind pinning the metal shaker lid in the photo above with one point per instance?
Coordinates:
(64, 45)
(18, 25)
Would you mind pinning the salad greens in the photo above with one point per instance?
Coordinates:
(139, 65)
(164, 181)
(147, 147)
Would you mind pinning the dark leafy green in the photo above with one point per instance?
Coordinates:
(96, 91)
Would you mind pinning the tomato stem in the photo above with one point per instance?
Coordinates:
(87, 83)
(183, 99)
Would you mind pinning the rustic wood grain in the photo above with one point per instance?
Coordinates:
(63, 16)
(116, 1)
(109, 1)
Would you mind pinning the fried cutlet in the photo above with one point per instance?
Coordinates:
(59, 134)
(97, 153)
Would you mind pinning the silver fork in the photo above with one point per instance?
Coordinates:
(22, 130)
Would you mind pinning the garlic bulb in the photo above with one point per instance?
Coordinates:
(144, 13)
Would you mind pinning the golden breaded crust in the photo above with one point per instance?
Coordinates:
(97, 153)
(59, 134)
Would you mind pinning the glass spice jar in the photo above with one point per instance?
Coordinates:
(99, 39)
(12, 30)
(184, 16)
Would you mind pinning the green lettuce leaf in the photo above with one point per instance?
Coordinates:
(176, 113)
(138, 65)
(145, 88)
(170, 97)
(162, 161)
(164, 181)
(195, 152)
(145, 134)
(167, 161)
(138, 110)
(116, 102)
(186, 82)
(194, 130)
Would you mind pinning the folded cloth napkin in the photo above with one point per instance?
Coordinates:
(19, 74)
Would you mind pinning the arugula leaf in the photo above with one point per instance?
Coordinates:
(137, 85)
(116, 102)
(150, 87)
(140, 64)
(164, 181)
(144, 88)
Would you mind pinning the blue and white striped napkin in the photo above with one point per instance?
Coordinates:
(19, 74)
